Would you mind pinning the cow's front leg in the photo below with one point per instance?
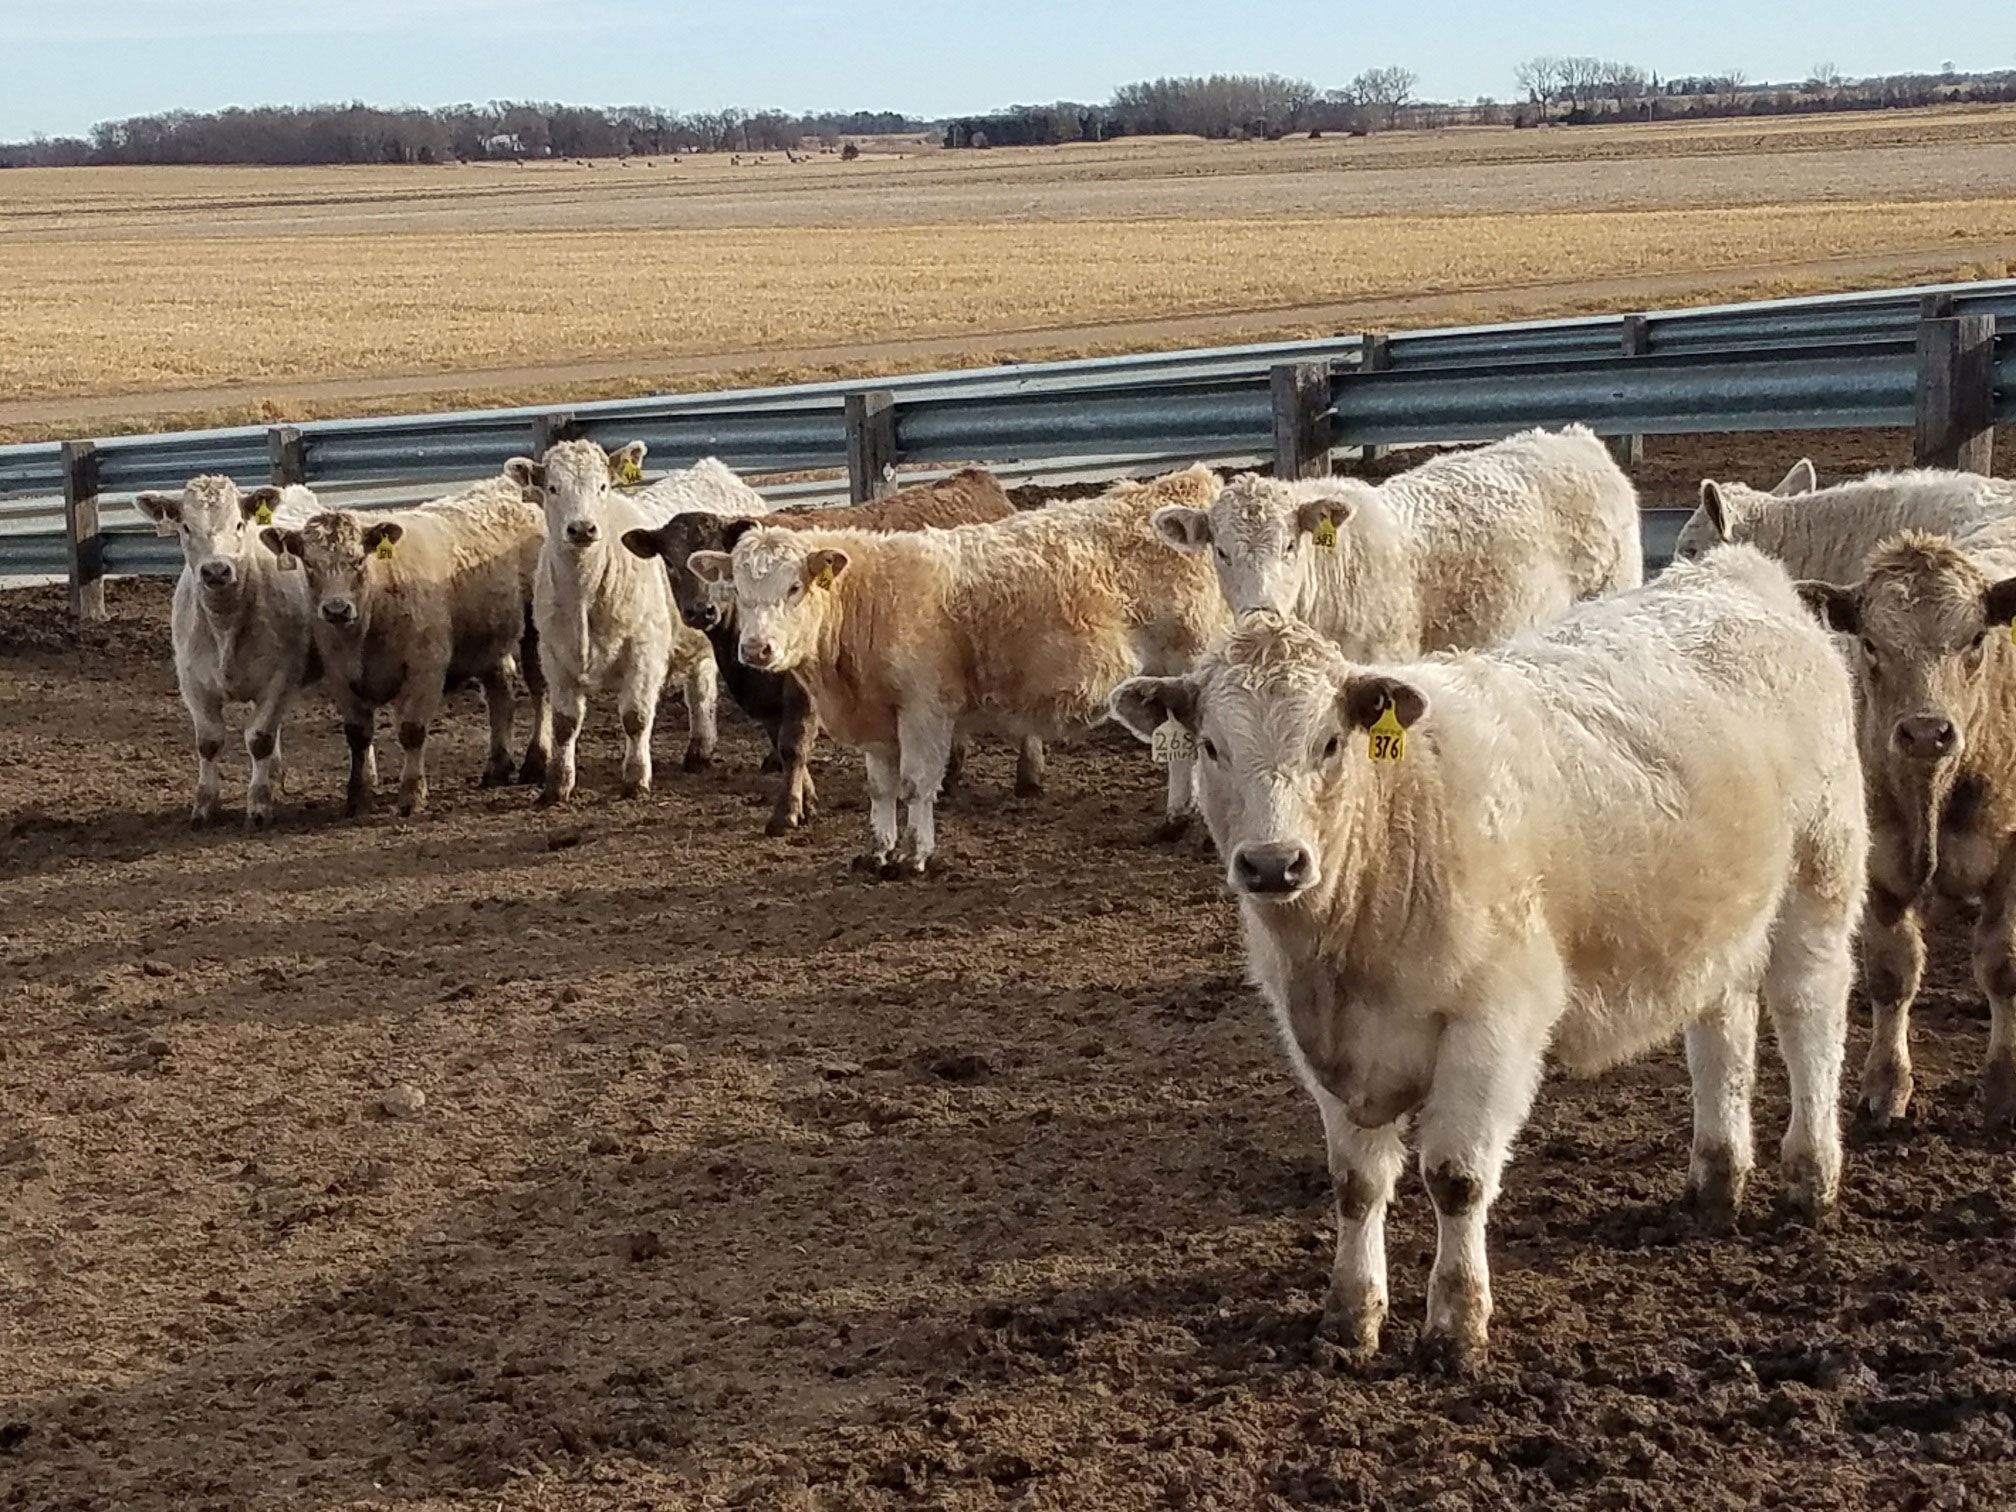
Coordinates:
(1722, 1066)
(884, 784)
(1995, 970)
(1029, 768)
(262, 744)
(1364, 1165)
(637, 709)
(206, 714)
(926, 739)
(362, 787)
(570, 707)
(416, 713)
(797, 729)
(1485, 1076)
(702, 686)
(1893, 964)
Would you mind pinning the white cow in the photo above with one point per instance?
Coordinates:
(240, 624)
(1461, 551)
(1578, 844)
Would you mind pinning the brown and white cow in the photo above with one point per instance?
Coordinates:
(1600, 834)
(408, 605)
(1938, 740)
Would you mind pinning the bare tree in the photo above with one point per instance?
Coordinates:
(1623, 83)
(1540, 79)
(1729, 87)
(1824, 78)
(1386, 90)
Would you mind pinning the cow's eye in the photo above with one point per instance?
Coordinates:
(1331, 747)
(797, 591)
(1210, 751)
(1222, 554)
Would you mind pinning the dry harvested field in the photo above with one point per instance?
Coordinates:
(134, 295)
(743, 1182)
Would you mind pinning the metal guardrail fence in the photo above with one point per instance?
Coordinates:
(1941, 359)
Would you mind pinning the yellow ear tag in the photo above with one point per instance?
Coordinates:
(628, 473)
(263, 514)
(384, 551)
(825, 577)
(1387, 741)
(1325, 535)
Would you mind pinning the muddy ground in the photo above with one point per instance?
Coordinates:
(742, 1181)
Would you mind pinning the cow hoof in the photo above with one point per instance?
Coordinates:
(906, 869)
(1809, 1194)
(1886, 1098)
(256, 821)
(1028, 787)
(532, 770)
(1998, 1095)
(769, 764)
(1352, 1325)
(869, 864)
(636, 790)
(780, 824)
(1444, 1354)
(200, 818)
(497, 776)
(1169, 831)
(698, 761)
(550, 797)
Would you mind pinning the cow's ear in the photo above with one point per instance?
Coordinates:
(1145, 704)
(383, 533)
(1321, 519)
(1838, 608)
(823, 567)
(711, 566)
(285, 544)
(164, 509)
(1999, 602)
(1184, 528)
(525, 472)
(643, 543)
(1365, 698)
(734, 530)
(1716, 507)
(265, 498)
(626, 464)
(1802, 479)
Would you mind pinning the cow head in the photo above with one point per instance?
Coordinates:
(783, 583)
(1727, 511)
(216, 525)
(576, 480)
(1282, 724)
(1932, 630)
(342, 555)
(702, 604)
(1262, 535)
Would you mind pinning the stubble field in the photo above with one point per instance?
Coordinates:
(138, 295)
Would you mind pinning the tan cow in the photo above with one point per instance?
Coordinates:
(1578, 844)
(1021, 627)
(1461, 551)
(1938, 739)
(408, 605)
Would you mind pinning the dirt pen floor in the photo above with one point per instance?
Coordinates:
(742, 1181)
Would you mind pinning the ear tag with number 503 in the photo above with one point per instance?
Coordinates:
(1387, 741)
(824, 579)
(1325, 534)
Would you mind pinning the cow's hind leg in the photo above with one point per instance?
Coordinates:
(1029, 768)
(499, 702)
(1893, 964)
(1364, 1165)
(926, 740)
(1722, 1064)
(1806, 987)
(1486, 1072)
(1995, 970)
(884, 785)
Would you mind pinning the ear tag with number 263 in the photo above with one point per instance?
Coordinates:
(1387, 741)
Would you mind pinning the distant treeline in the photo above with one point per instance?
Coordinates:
(295, 135)
(1570, 90)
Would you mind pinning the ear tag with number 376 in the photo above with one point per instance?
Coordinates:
(385, 551)
(1387, 741)
(1325, 534)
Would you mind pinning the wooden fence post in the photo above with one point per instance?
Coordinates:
(1956, 393)
(86, 547)
(548, 430)
(871, 445)
(286, 456)
(1302, 414)
(1375, 355)
(1630, 450)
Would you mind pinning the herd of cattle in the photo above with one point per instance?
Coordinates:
(1482, 795)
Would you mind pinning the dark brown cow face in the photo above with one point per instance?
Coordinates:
(702, 605)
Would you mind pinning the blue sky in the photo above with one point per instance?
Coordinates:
(67, 66)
